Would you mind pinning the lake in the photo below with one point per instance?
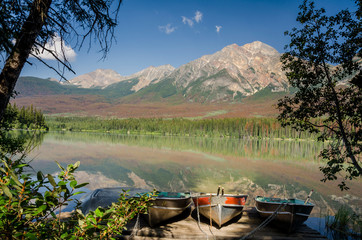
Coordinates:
(277, 168)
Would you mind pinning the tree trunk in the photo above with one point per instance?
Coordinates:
(20, 53)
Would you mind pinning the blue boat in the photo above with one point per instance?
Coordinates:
(104, 197)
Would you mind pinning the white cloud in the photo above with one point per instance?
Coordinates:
(218, 28)
(58, 47)
(168, 29)
(188, 21)
(198, 16)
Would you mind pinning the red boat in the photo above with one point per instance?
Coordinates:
(220, 208)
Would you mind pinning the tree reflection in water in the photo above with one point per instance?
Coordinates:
(277, 168)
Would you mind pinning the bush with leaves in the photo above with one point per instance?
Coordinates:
(109, 223)
(30, 208)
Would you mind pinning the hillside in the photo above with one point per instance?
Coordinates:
(66, 104)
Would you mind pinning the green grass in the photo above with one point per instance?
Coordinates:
(344, 224)
(210, 114)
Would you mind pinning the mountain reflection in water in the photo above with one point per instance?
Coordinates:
(277, 168)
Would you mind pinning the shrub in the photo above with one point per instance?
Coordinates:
(30, 208)
(344, 225)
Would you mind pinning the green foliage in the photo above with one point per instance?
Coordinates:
(24, 209)
(322, 90)
(114, 219)
(31, 208)
(344, 224)
(18, 118)
(228, 127)
(29, 118)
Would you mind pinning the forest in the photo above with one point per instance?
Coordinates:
(28, 118)
(227, 127)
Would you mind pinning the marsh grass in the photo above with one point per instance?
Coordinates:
(344, 225)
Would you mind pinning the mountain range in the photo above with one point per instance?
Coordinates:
(231, 75)
(227, 75)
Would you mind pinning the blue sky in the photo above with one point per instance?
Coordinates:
(175, 32)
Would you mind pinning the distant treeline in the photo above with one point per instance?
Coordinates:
(228, 127)
(26, 118)
(251, 148)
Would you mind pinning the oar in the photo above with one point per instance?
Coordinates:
(308, 198)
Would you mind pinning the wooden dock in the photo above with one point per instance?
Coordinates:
(186, 227)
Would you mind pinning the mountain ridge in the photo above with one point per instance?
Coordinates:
(228, 75)
(105, 77)
(250, 68)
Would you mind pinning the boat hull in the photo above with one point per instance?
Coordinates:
(289, 217)
(104, 197)
(165, 208)
(220, 209)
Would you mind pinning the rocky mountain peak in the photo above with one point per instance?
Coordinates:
(150, 75)
(233, 46)
(104, 72)
(233, 71)
(97, 78)
(167, 66)
(153, 72)
(259, 47)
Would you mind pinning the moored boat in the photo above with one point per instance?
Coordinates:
(220, 208)
(290, 214)
(104, 197)
(166, 206)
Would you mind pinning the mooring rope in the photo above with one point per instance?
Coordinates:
(198, 218)
(213, 236)
(136, 226)
(264, 223)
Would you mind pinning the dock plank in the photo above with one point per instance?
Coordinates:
(186, 227)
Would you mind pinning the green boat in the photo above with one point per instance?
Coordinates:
(292, 213)
(166, 206)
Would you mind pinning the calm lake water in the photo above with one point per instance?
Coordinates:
(277, 168)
